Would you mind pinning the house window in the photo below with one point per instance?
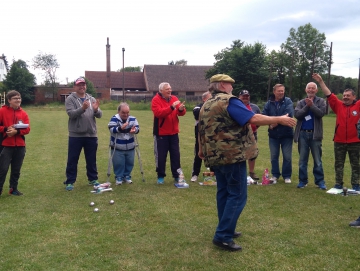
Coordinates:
(190, 93)
(98, 94)
(48, 94)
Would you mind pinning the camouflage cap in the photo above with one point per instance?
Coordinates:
(221, 78)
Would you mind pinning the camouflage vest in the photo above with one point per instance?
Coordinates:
(223, 140)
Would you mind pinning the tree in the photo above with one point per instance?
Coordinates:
(3, 57)
(181, 62)
(131, 69)
(47, 63)
(19, 78)
(306, 48)
(247, 65)
(90, 89)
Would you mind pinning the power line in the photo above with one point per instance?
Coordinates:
(347, 62)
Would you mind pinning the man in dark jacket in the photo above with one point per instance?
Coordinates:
(166, 109)
(197, 160)
(309, 134)
(280, 136)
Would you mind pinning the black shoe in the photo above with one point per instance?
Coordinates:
(231, 246)
(237, 234)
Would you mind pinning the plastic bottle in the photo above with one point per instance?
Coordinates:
(265, 178)
(181, 175)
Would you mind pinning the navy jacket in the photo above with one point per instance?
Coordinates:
(284, 106)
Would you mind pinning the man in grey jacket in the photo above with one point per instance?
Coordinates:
(82, 110)
(309, 134)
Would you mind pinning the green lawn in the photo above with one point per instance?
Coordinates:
(152, 227)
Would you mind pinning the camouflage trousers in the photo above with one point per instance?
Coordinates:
(340, 150)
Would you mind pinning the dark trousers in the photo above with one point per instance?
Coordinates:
(76, 144)
(14, 157)
(163, 145)
(197, 160)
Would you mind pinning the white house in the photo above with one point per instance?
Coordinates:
(3, 70)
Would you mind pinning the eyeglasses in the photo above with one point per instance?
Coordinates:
(15, 98)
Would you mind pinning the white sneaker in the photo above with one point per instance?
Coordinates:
(119, 182)
(128, 181)
(194, 178)
(273, 180)
(287, 180)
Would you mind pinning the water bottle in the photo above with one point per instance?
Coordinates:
(181, 175)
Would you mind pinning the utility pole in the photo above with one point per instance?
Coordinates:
(313, 63)
(291, 73)
(123, 82)
(328, 79)
(271, 65)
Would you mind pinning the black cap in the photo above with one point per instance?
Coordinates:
(244, 92)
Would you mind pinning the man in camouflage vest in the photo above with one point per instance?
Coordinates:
(226, 141)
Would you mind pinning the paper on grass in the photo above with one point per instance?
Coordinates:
(334, 191)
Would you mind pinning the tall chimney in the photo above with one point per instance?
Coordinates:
(108, 70)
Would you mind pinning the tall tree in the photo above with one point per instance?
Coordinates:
(181, 62)
(49, 64)
(19, 78)
(246, 64)
(307, 49)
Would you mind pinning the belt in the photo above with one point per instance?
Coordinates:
(307, 131)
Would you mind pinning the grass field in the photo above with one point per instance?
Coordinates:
(153, 227)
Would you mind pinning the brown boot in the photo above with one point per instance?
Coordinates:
(253, 176)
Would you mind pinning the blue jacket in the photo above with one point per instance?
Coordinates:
(284, 106)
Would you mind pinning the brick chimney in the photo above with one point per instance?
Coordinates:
(108, 70)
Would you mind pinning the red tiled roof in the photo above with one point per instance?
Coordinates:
(132, 80)
(181, 78)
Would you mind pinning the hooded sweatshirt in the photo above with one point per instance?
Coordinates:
(81, 123)
(10, 116)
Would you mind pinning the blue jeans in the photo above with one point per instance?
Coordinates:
(76, 144)
(305, 145)
(286, 149)
(123, 163)
(231, 198)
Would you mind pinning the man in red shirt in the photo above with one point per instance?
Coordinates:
(244, 96)
(166, 109)
(346, 138)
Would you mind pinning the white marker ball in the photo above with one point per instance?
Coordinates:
(111, 202)
(92, 203)
(96, 210)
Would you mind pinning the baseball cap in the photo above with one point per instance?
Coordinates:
(221, 78)
(79, 80)
(244, 92)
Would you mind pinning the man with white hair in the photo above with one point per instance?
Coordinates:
(166, 109)
(309, 134)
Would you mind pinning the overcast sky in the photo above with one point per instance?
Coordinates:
(158, 31)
